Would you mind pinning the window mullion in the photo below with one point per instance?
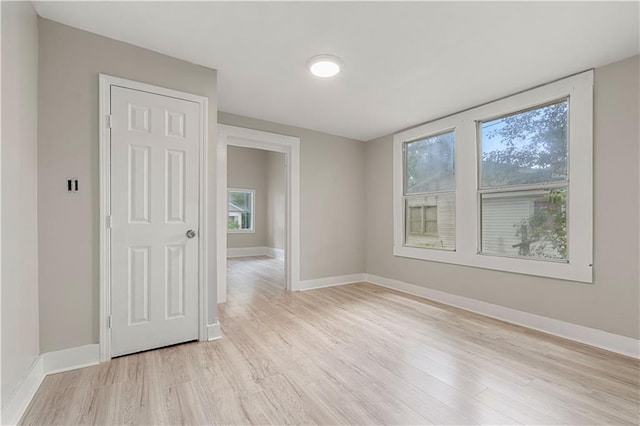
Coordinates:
(466, 186)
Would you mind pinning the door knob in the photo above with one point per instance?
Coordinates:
(191, 233)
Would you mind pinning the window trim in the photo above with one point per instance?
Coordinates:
(579, 90)
(251, 230)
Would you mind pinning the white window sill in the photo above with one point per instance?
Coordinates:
(548, 269)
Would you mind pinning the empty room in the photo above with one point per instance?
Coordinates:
(363, 213)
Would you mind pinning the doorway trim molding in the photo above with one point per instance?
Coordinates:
(257, 139)
(105, 84)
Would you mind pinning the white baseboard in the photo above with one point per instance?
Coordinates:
(330, 282)
(247, 251)
(255, 251)
(19, 401)
(590, 336)
(276, 253)
(47, 363)
(214, 332)
(71, 359)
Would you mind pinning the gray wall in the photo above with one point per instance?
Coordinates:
(19, 164)
(611, 302)
(276, 200)
(247, 168)
(69, 63)
(332, 198)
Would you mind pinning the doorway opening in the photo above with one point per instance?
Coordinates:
(256, 221)
(258, 208)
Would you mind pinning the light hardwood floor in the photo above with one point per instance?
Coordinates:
(356, 354)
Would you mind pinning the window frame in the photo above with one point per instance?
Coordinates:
(518, 189)
(252, 229)
(578, 89)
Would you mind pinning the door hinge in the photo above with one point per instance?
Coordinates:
(109, 321)
(108, 120)
(107, 221)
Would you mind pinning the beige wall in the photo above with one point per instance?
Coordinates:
(611, 303)
(276, 200)
(69, 63)
(19, 249)
(247, 168)
(331, 198)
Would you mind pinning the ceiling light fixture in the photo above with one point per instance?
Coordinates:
(325, 66)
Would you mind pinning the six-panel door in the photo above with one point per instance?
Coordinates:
(154, 203)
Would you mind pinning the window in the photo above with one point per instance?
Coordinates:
(240, 210)
(429, 194)
(523, 182)
(506, 185)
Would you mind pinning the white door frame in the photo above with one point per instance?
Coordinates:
(290, 146)
(105, 82)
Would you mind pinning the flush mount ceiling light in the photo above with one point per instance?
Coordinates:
(325, 66)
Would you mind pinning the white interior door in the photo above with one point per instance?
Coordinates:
(154, 220)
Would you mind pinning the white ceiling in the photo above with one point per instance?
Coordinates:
(405, 63)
